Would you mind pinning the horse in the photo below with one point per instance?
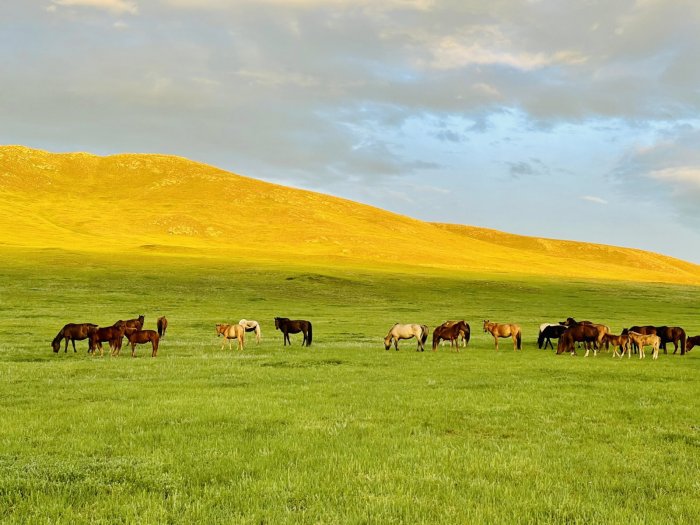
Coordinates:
(690, 342)
(642, 340)
(621, 341)
(72, 332)
(251, 326)
(231, 331)
(111, 334)
(582, 333)
(644, 330)
(549, 332)
(672, 334)
(451, 331)
(131, 325)
(505, 330)
(294, 327)
(570, 321)
(162, 325)
(407, 331)
(138, 337)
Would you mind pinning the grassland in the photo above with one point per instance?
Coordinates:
(342, 432)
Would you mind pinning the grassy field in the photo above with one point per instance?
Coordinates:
(342, 432)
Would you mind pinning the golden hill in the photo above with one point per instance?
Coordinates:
(155, 204)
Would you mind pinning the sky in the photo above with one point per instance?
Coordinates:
(573, 120)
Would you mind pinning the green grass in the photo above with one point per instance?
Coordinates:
(342, 432)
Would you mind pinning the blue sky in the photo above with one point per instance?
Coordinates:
(576, 120)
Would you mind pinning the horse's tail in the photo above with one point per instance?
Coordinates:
(467, 334)
(519, 338)
(683, 340)
(436, 337)
(310, 337)
(424, 335)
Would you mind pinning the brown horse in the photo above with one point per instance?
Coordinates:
(672, 334)
(690, 342)
(451, 331)
(618, 341)
(139, 337)
(231, 331)
(505, 330)
(582, 333)
(111, 334)
(294, 327)
(162, 325)
(642, 340)
(72, 332)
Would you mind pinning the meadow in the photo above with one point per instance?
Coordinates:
(343, 431)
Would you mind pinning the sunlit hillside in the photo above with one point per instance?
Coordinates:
(154, 204)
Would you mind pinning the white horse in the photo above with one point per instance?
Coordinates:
(251, 326)
(406, 331)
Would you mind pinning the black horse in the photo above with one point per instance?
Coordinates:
(294, 327)
(553, 331)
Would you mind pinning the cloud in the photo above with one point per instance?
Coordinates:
(116, 7)
(591, 198)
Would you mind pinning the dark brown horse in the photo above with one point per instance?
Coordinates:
(72, 332)
(294, 327)
(692, 341)
(451, 331)
(672, 334)
(549, 332)
(582, 333)
(139, 337)
(110, 334)
(162, 324)
(570, 321)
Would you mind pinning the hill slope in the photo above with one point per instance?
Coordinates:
(164, 204)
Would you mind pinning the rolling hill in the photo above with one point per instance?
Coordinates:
(166, 205)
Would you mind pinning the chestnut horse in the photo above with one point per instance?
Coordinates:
(505, 330)
(294, 327)
(451, 331)
(407, 331)
(231, 331)
(72, 332)
(111, 334)
(582, 333)
(138, 337)
(618, 341)
(162, 325)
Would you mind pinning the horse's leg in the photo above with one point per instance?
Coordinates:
(515, 342)
(495, 337)
(396, 343)
(74, 350)
(133, 349)
(66, 349)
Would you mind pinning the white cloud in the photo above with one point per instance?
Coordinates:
(591, 198)
(117, 7)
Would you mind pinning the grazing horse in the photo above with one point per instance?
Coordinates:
(690, 342)
(162, 325)
(294, 327)
(582, 333)
(672, 334)
(451, 331)
(407, 331)
(251, 326)
(642, 340)
(72, 332)
(111, 334)
(549, 332)
(505, 330)
(618, 341)
(139, 337)
(231, 331)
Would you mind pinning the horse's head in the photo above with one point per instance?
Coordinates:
(219, 330)
(387, 342)
(486, 325)
(56, 345)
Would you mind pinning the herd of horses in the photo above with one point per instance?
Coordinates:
(570, 333)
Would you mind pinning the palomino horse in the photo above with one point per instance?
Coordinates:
(294, 327)
(162, 325)
(406, 331)
(251, 326)
(505, 330)
(72, 332)
(231, 331)
(111, 334)
(672, 334)
(691, 342)
(618, 341)
(582, 333)
(451, 331)
(642, 340)
(139, 337)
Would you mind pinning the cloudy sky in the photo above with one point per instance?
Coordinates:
(576, 119)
